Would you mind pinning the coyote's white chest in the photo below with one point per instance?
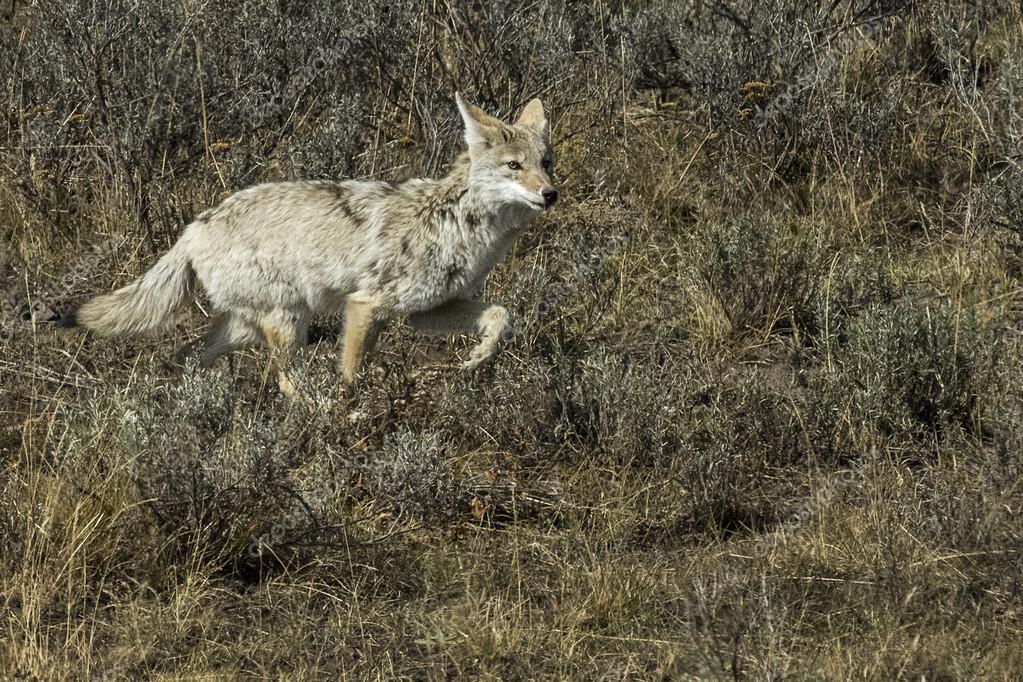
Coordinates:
(454, 263)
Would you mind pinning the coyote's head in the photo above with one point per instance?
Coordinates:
(511, 162)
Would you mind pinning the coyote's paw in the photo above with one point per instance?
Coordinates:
(476, 361)
(292, 393)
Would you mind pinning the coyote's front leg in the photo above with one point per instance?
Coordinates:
(465, 317)
(362, 325)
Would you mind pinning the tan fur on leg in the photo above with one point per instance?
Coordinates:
(361, 331)
(284, 332)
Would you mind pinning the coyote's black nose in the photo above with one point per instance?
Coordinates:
(550, 196)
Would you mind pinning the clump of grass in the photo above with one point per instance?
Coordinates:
(763, 276)
(914, 370)
(412, 473)
(623, 411)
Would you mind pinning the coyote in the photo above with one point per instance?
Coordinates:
(272, 255)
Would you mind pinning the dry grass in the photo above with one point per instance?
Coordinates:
(760, 417)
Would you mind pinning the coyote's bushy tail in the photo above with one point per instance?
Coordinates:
(145, 304)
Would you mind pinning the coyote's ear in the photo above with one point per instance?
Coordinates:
(481, 129)
(533, 117)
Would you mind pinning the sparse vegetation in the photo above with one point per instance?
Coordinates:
(760, 417)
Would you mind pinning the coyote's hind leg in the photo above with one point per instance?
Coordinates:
(285, 333)
(229, 333)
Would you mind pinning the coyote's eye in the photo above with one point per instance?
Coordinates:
(514, 165)
(547, 166)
